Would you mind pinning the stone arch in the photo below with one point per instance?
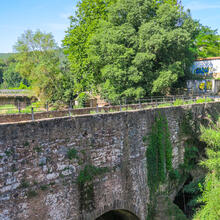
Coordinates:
(122, 207)
(118, 214)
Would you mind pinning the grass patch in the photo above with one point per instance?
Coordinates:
(164, 105)
(202, 100)
(12, 109)
(178, 102)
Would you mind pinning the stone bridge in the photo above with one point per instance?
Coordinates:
(90, 167)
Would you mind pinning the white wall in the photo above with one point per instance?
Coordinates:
(209, 68)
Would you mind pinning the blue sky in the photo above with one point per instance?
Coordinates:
(206, 11)
(16, 16)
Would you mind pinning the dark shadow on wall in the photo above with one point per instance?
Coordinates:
(183, 198)
(118, 215)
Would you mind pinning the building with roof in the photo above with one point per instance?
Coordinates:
(207, 67)
(206, 72)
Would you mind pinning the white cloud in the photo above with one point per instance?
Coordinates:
(197, 6)
(57, 26)
(65, 15)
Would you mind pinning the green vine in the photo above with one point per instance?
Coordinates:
(194, 149)
(89, 172)
(190, 129)
(86, 188)
(159, 154)
(159, 159)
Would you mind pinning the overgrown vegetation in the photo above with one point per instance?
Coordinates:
(159, 158)
(89, 172)
(115, 50)
(159, 171)
(190, 131)
(40, 65)
(194, 189)
(194, 151)
(85, 182)
(211, 190)
(111, 48)
(207, 42)
(173, 211)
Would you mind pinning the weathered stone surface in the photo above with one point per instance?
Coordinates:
(40, 162)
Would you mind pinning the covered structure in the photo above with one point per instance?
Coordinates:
(206, 72)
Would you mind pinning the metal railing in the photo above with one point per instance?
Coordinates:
(14, 92)
(121, 105)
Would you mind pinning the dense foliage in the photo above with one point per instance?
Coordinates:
(208, 43)
(37, 61)
(5, 56)
(2, 67)
(130, 48)
(9, 77)
(159, 159)
(159, 154)
(211, 191)
(119, 49)
(76, 43)
(42, 63)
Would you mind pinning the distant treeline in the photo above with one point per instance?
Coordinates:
(5, 55)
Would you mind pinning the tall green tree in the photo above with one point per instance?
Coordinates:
(38, 62)
(11, 78)
(76, 43)
(142, 48)
(65, 89)
(208, 43)
(2, 67)
(210, 197)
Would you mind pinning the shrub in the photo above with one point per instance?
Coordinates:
(178, 102)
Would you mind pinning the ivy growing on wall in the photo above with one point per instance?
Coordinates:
(159, 158)
(159, 154)
(86, 187)
(89, 172)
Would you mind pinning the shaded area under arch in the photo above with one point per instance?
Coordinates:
(119, 214)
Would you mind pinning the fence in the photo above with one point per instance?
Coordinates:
(14, 92)
(9, 113)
